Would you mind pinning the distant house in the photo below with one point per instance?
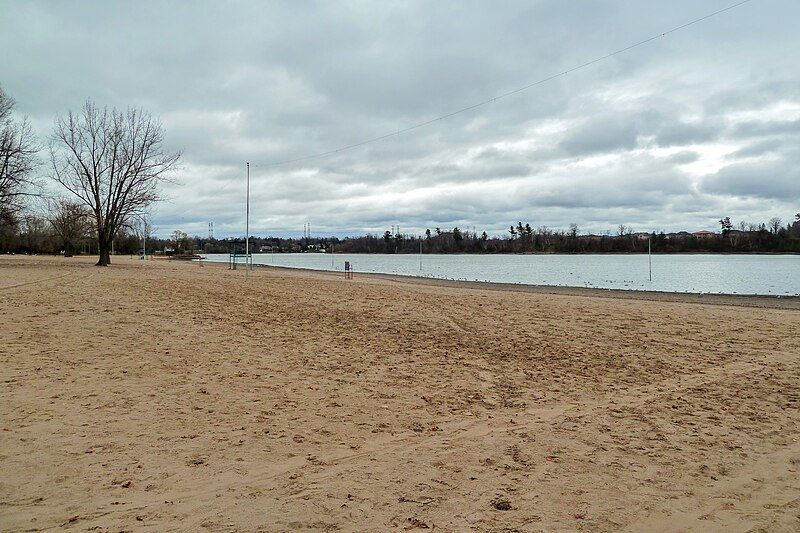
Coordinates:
(678, 235)
(704, 234)
(641, 235)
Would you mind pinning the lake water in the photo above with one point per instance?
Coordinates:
(696, 273)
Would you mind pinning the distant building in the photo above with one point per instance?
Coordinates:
(704, 234)
(641, 235)
(677, 235)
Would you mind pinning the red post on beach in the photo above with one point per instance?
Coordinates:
(348, 270)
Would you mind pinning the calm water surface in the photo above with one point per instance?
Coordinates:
(698, 273)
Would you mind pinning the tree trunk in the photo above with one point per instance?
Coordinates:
(105, 257)
(104, 247)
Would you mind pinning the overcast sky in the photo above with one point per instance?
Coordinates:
(671, 135)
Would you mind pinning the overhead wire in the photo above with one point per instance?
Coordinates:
(500, 96)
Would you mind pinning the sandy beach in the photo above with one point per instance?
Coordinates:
(165, 395)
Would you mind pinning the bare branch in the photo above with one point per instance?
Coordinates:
(113, 162)
(17, 159)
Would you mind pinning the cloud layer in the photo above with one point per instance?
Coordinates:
(673, 135)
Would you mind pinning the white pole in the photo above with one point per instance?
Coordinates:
(247, 226)
(649, 259)
(420, 253)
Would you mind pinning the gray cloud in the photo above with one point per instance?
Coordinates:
(671, 135)
(685, 133)
(767, 179)
(607, 134)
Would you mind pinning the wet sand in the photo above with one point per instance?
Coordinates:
(170, 395)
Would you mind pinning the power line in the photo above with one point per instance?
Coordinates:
(503, 95)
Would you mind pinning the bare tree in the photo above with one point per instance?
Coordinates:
(182, 241)
(143, 230)
(33, 233)
(113, 162)
(775, 224)
(573, 230)
(17, 160)
(71, 221)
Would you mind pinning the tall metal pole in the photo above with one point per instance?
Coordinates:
(649, 259)
(247, 227)
(420, 253)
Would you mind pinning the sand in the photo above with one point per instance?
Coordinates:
(164, 395)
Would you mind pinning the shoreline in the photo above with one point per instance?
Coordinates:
(740, 300)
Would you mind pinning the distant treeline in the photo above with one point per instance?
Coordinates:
(522, 238)
(37, 234)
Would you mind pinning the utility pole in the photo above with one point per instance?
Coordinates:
(649, 259)
(144, 238)
(420, 253)
(247, 226)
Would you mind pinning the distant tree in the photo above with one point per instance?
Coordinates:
(112, 161)
(726, 225)
(143, 229)
(438, 231)
(34, 233)
(795, 227)
(622, 229)
(528, 230)
(8, 230)
(513, 232)
(428, 233)
(71, 223)
(775, 224)
(17, 160)
(183, 243)
(457, 236)
(573, 230)
(484, 237)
